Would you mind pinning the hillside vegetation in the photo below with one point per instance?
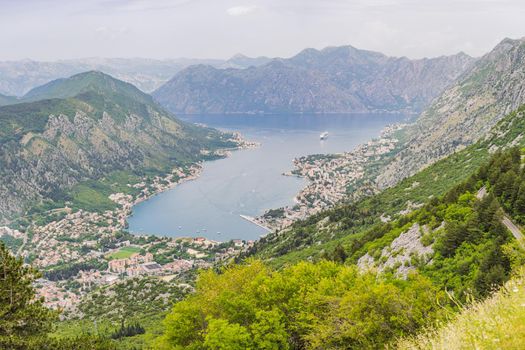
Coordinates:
(457, 249)
(496, 323)
(314, 306)
(347, 223)
(87, 128)
(464, 113)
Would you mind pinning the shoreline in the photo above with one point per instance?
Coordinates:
(253, 221)
(329, 177)
(195, 170)
(74, 238)
(365, 112)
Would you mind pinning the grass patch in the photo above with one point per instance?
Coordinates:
(93, 195)
(123, 253)
(496, 323)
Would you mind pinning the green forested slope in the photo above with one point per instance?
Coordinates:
(92, 81)
(331, 305)
(85, 128)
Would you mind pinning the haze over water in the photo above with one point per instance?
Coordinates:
(250, 181)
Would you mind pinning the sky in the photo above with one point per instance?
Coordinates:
(65, 29)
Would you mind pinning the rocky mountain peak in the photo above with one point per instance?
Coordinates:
(465, 111)
(332, 80)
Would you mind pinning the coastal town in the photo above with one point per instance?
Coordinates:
(331, 178)
(64, 285)
(81, 251)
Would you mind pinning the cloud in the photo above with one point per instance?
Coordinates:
(134, 5)
(240, 10)
(111, 33)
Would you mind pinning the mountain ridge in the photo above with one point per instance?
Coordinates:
(99, 126)
(19, 76)
(332, 80)
(84, 82)
(465, 111)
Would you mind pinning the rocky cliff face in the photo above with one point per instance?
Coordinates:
(48, 146)
(492, 88)
(333, 80)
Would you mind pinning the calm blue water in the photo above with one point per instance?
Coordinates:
(250, 181)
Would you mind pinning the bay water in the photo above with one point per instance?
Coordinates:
(250, 181)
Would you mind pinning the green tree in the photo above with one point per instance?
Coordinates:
(184, 325)
(340, 254)
(519, 204)
(23, 318)
(222, 335)
(307, 305)
(269, 331)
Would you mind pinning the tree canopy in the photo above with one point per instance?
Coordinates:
(315, 305)
(23, 317)
(24, 321)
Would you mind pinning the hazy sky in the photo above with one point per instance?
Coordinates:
(60, 29)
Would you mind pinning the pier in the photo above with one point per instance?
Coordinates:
(253, 221)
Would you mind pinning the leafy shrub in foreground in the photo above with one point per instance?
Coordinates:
(321, 305)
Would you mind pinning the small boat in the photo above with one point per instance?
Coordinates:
(180, 227)
(324, 135)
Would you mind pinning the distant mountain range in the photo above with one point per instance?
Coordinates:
(5, 100)
(83, 128)
(18, 77)
(493, 87)
(333, 80)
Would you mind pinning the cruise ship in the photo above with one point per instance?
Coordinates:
(324, 135)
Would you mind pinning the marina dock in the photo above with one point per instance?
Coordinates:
(253, 221)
